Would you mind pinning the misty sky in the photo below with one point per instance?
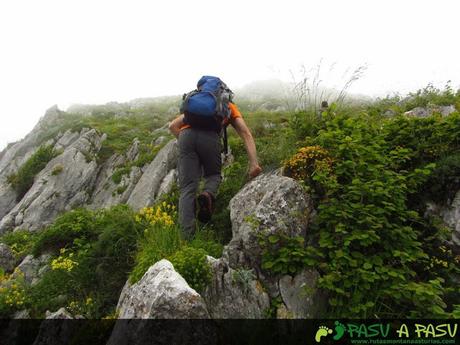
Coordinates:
(64, 52)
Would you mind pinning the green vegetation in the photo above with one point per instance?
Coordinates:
(162, 239)
(21, 242)
(147, 154)
(426, 97)
(378, 254)
(57, 169)
(12, 293)
(121, 124)
(191, 264)
(23, 179)
(118, 174)
(374, 248)
(94, 253)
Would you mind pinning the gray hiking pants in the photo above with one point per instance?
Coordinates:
(199, 155)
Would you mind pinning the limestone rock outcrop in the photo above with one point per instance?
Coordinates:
(161, 294)
(148, 188)
(7, 259)
(268, 205)
(234, 294)
(430, 110)
(58, 189)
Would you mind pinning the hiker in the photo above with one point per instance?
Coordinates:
(198, 129)
(324, 108)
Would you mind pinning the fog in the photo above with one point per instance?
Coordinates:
(68, 52)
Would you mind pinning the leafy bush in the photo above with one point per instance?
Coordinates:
(96, 253)
(285, 255)
(23, 179)
(12, 293)
(444, 183)
(206, 239)
(119, 173)
(371, 255)
(21, 242)
(426, 139)
(191, 264)
(75, 224)
(431, 95)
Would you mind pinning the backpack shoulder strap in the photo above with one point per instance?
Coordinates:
(225, 138)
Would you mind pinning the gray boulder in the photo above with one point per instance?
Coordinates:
(60, 332)
(234, 294)
(33, 268)
(430, 110)
(7, 198)
(147, 189)
(58, 315)
(300, 296)
(446, 110)
(7, 259)
(161, 294)
(12, 160)
(268, 205)
(56, 191)
(418, 112)
(21, 315)
(133, 152)
(168, 182)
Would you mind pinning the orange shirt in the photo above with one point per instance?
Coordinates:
(234, 114)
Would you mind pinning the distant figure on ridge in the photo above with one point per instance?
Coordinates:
(206, 112)
(324, 107)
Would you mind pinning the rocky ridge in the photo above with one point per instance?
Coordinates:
(74, 177)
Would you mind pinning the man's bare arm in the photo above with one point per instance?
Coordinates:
(245, 134)
(176, 124)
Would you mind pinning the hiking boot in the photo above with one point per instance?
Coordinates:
(205, 207)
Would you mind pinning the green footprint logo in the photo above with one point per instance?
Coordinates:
(321, 332)
(339, 330)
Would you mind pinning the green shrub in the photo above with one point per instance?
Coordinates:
(119, 173)
(57, 169)
(206, 239)
(426, 139)
(192, 265)
(444, 183)
(162, 239)
(105, 267)
(431, 95)
(146, 155)
(96, 253)
(286, 255)
(121, 189)
(23, 179)
(75, 224)
(370, 251)
(21, 242)
(12, 294)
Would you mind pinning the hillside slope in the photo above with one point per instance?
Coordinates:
(88, 205)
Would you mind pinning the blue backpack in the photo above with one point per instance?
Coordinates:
(207, 106)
